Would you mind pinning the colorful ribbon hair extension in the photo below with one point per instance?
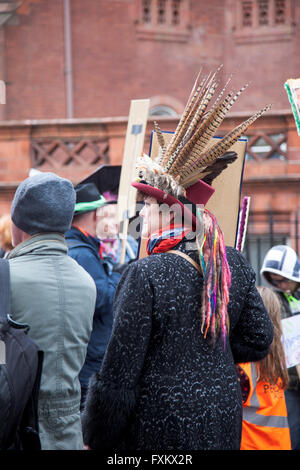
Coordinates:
(216, 279)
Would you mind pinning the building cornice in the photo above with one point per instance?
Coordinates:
(291, 179)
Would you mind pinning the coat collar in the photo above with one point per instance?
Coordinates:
(78, 234)
(42, 243)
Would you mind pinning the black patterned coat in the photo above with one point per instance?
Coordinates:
(162, 386)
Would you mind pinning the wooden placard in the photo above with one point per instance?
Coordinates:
(225, 202)
(134, 144)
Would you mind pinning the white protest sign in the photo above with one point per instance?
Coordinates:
(291, 339)
(134, 143)
(2, 352)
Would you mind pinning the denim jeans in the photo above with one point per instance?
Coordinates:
(292, 398)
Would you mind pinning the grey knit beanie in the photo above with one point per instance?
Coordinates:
(43, 203)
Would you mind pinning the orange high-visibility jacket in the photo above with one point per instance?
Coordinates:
(265, 424)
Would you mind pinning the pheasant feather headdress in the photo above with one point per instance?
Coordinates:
(192, 154)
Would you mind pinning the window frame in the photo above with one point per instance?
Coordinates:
(263, 32)
(166, 30)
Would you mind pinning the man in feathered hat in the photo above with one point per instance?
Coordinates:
(183, 316)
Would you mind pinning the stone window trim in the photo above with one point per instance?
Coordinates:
(167, 101)
(263, 20)
(163, 20)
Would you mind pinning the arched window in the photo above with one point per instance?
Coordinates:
(161, 110)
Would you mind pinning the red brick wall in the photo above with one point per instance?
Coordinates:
(111, 64)
(35, 63)
(265, 62)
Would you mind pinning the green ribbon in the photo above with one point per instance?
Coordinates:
(90, 206)
(293, 302)
(293, 106)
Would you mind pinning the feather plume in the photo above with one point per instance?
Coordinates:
(198, 143)
(154, 174)
(218, 99)
(183, 120)
(160, 136)
(220, 148)
(233, 136)
(195, 121)
(189, 159)
(212, 171)
(193, 112)
(191, 153)
(195, 85)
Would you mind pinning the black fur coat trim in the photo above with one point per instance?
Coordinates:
(106, 414)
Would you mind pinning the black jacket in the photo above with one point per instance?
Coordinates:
(162, 385)
(85, 250)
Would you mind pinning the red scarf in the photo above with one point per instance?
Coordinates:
(166, 238)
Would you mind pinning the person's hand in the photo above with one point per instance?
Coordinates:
(85, 447)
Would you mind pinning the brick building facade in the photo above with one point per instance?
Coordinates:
(71, 68)
(99, 54)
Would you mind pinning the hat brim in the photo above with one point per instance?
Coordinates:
(82, 207)
(289, 277)
(201, 193)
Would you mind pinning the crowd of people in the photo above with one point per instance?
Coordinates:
(124, 355)
(174, 351)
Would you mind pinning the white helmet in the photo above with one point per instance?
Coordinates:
(281, 260)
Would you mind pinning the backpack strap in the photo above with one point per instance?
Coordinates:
(187, 257)
(4, 288)
(5, 297)
(29, 425)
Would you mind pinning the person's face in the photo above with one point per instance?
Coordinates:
(283, 283)
(154, 218)
(150, 216)
(107, 226)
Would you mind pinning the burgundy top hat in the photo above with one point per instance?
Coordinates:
(198, 193)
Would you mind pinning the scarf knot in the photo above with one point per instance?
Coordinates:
(166, 238)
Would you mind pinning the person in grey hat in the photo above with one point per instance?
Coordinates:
(55, 297)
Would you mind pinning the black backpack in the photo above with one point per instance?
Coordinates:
(20, 374)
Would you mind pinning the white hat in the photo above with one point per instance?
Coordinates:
(281, 260)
